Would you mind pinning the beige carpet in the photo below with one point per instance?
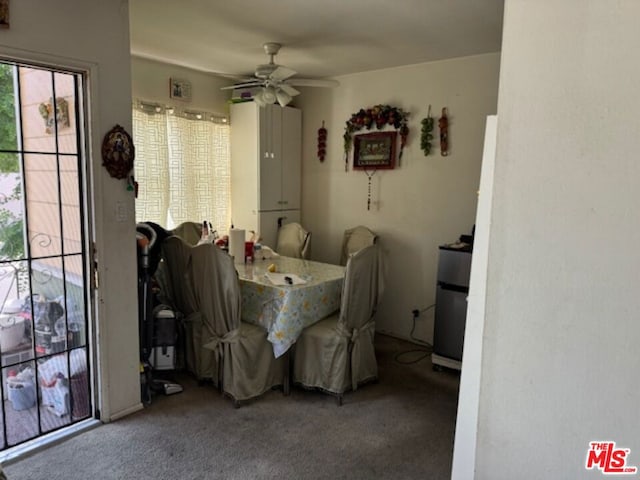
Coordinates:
(399, 428)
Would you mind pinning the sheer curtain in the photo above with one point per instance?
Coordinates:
(183, 168)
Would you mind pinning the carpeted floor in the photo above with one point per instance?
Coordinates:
(399, 428)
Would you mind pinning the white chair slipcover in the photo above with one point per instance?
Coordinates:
(355, 239)
(337, 354)
(190, 232)
(293, 241)
(176, 291)
(241, 351)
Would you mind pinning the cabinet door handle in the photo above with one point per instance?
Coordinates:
(273, 155)
(266, 154)
(284, 202)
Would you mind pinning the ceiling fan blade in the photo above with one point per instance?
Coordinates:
(312, 82)
(292, 92)
(281, 73)
(255, 83)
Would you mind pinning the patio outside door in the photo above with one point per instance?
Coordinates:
(45, 321)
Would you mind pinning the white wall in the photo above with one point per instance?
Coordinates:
(561, 327)
(150, 82)
(427, 201)
(94, 35)
(467, 418)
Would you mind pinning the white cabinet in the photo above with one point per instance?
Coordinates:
(266, 149)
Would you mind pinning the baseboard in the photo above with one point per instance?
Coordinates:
(446, 362)
(126, 411)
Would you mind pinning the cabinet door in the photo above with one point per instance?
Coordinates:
(291, 140)
(270, 158)
(246, 149)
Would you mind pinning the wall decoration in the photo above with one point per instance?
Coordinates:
(426, 136)
(179, 89)
(378, 116)
(443, 123)
(62, 114)
(118, 152)
(374, 151)
(322, 142)
(4, 13)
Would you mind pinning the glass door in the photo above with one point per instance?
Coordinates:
(44, 296)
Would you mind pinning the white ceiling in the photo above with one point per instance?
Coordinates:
(321, 38)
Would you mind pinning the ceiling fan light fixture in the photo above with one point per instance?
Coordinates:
(283, 98)
(269, 95)
(259, 100)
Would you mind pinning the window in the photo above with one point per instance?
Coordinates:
(182, 166)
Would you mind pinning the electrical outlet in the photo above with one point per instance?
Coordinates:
(415, 313)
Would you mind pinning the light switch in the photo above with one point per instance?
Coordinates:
(121, 211)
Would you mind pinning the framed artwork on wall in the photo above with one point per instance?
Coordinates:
(4, 13)
(374, 151)
(179, 89)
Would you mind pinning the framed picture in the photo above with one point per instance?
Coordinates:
(180, 89)
(374, 151)
(4, 13)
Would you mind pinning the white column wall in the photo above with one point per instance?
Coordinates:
(561, 328)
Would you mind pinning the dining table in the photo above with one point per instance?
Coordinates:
(285, 295)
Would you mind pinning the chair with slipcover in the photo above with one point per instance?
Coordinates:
(293, 241)
(244, 357)
(337, 354)
(176, 290)
(190, 232)
(355, 239)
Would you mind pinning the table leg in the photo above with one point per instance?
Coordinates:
(287, 373)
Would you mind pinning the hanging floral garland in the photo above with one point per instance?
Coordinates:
(378, 116)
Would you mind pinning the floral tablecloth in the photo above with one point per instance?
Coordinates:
(286, 310)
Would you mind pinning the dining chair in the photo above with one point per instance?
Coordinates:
(190, 232)
(176, 291)
(337, 354)
(244, 357)
(293, 241)
(355, 239)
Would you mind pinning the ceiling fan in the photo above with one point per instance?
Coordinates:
(276, 81)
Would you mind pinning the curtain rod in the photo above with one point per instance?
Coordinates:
(152, 108)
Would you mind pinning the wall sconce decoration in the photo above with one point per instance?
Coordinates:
(322, 142)
(427, 136)
(443, 123)
(118, 152)
(62, 114)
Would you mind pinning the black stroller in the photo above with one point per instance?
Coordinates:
(157, 323)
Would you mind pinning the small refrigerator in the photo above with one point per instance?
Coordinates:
(454, 269)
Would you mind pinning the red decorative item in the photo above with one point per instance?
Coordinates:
(443, 123)
(322, 142)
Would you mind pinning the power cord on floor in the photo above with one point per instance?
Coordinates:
(425, 352)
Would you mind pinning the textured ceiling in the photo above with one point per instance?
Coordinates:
(320, 38)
